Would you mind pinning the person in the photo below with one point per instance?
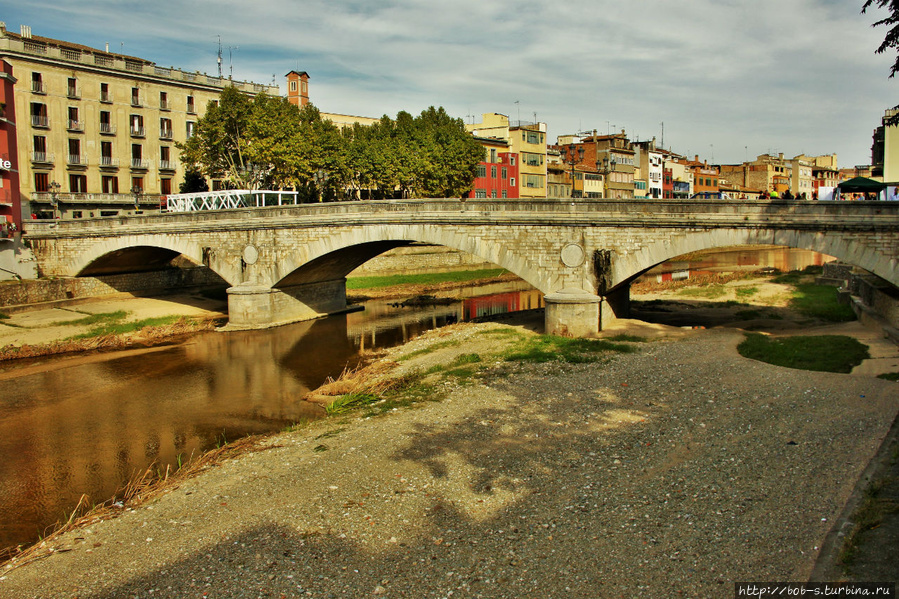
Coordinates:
(894, 197)
(788, 195)
(775, 195)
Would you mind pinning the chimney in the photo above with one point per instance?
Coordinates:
(26, 32)
(2, 26)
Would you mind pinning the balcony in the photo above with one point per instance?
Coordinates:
(107, 129)
(76, 126)
(73, 94)
(41, 158)
(138, 131)
(76, 160)
(165, 134)
(140, 164)
(167, 165)
(106, 97)
(109, 162)
(165, 105)
(37, 87)
(135, 101)
(40, 121)
(191, 109)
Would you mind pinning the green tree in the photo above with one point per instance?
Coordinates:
(194, 182)
(217, 147)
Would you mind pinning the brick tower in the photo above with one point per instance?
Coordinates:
(298, 88)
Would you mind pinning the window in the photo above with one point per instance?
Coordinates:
(480, 194)
(77, 183)
(533, 181)
(72, 88)
(512, 182)
(165, 158)
(163, 101)
(137, 156)
(39, 115)
(190, 105)
(493, 172)
(42, 182)
(106, 122)
(106, 154)
(110, 184)
(191, 126)
(40, 148)
(135, 96)
(505, 173)
(512, 160)
(531, 159)
(74, 151)
(493, 193)
(74, 123)
(482, 171)
(492, 155)
(293, 86)
(165, 186)
(105, 96)
(76, 213)
(137, 184)
(137, 125)
(37, 83)
(165, 128)
(505, 194)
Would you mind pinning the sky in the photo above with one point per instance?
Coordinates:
(726, 80)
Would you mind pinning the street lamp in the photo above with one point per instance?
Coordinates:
(54, 197)
(608, 166)
(136, 192)
(571, 156)
(320, 177)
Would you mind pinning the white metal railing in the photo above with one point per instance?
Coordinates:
(229, 199)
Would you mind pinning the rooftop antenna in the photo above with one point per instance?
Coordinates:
(231, 62)
(663, 135)
(519, 111)
(220, 57)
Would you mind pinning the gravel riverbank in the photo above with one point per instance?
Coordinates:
(672, 471)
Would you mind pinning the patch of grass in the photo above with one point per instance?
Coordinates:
(401, 390)
(422, 279)
(3, 316)
(824, 353)
(466, 359)
(91, 319)
(889, 376)
(793, 277)
(427, 350)
(712, 291)
(746, 292)
(117, 327)
(820, 301)
(548, 348)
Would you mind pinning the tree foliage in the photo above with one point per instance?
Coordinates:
(267, 142)
(890, 40)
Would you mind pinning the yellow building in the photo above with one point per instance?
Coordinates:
(97, 130)
(528, 140)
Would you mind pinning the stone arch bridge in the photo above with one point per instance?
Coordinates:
(289, 263)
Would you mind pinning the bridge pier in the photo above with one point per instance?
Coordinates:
(255, 306)
(572, 312)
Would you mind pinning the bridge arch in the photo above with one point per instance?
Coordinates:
(629, 266)
(149, 250)
(339, 253)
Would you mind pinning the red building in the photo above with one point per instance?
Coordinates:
(497, 175)
(10, 205)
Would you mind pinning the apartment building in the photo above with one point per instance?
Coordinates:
(497, 175)
(612, 156)
(10, 205)
(97, 129)
(528, 141)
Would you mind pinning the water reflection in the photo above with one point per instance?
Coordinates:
(781, 258)
(85, 426)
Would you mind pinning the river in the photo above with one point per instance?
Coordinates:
(87, 425)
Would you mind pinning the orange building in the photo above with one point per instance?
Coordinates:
(298, 88)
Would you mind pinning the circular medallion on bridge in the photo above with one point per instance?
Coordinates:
(573, 255)
(250, 254)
